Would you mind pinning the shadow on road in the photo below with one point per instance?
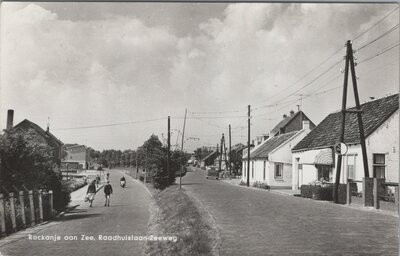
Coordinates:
(193, 183)
(78, 216)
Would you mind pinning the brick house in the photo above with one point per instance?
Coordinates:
(314, 159)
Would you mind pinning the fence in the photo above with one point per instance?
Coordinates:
(21, 210)
(375, 193)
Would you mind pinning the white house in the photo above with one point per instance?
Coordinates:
(314, 159)
(271, 161)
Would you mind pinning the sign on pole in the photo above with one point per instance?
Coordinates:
(341, 148)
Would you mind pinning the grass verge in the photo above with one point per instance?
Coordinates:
(175, 213)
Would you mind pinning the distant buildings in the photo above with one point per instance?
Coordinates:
(77, 157)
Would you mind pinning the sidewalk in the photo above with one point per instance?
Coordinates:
(288, 192)
(78, 196)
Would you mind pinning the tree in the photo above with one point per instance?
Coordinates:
(235, 158)
(26, 160)
(201, 153)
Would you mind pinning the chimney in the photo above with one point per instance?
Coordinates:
(284, 116)
(306, 125)
(291, 112)
(10, 119)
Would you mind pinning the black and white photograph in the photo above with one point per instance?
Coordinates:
(199, 128)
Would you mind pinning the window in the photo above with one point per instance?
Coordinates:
(278, 170)
(351, 167)
(245, 168)
(252, 169)
(379, 165)
(265, 163)
(324, 172)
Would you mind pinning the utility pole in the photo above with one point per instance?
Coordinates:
(226, 162)
(248, 146)
(220, 153)
(137, 166)
(183, 136)
(230, 148)
(169, 150)
(350, 62)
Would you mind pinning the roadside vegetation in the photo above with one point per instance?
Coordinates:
(175, 213)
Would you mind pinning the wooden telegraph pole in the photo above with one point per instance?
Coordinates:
(183, 136)
(230, 148)
(350, 62)
(248, 146)
(169, 150)
(221, 152)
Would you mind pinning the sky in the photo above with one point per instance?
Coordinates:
(107, 75)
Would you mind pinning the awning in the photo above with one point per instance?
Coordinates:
(317, 156)
(324, 157)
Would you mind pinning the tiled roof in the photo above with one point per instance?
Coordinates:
(264, 149)
(287, 120)
(209, 155)
(327, 133)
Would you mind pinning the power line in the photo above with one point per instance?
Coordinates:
(375, 24)
(380, 53)
(109, 125)
(379, 37)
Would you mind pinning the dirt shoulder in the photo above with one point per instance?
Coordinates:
(175, 213)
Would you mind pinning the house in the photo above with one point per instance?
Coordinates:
(271, 161)
(45, 136)
(209, 159)
(314, 159)
(77, 157)
(290, 123)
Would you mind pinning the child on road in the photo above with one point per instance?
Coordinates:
(107, 193)
(91, 192)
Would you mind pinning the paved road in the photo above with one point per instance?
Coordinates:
(128, 214)
(258, 222)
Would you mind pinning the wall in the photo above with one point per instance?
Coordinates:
(285, 181)
(385, 140)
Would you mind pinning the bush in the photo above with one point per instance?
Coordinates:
(317, 192)
(74, 184)
(259, 184)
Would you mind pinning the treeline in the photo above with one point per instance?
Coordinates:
(152, 157)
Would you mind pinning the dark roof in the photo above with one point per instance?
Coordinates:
(271, 144)
(42, 132)
(209, 155)
(286, 121)
(327, 133)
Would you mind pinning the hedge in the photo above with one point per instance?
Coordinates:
(326, 192)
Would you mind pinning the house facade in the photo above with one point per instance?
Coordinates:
(271, 161)
(77, 155)
(314, 158)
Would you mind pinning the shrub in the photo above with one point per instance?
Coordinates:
(259, 184)
(317, 192)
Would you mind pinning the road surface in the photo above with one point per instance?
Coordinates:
(128, 214)
(258, 222)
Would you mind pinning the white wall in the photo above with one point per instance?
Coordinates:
(385, 140)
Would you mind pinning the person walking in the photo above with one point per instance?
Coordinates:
(107, 193)
(91, 192)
